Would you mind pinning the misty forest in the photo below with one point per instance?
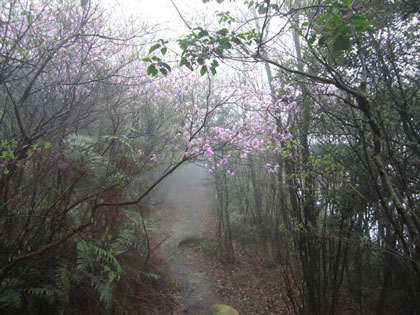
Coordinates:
(264, 158)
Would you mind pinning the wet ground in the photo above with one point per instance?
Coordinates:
(183, 217)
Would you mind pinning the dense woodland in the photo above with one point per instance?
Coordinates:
(306, 114)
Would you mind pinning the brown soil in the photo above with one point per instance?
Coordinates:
(202, 277)
(200, 273)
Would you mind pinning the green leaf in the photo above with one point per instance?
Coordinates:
(150, 275)
(153, 48)
(166, 66)
(236, 40)
(370, 29)
(341, 43)
(359, 22)
(163, 51)
(151, 70)
(312, 39)
(262, 10)
(47, 145)
(347, 3)
(203, 70)
(223, 32)
(214, 63)
(202, 33)
(163, 71)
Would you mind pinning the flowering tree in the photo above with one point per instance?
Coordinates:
(351, 55)
(86, 136)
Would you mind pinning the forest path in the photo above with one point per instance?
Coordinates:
(184, 215)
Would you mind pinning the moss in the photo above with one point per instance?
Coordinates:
(222, 309)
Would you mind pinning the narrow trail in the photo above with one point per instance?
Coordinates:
(183, 217)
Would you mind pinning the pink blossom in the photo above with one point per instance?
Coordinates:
(209, 152)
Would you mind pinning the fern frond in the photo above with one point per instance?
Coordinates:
(85, 257)
(47, 292)
(10, 298)
(109, 176)
(105, 290)
(80, 142)
(88, 253)
(123, 139)
(150, 275)
(63, 281)
(123, 242)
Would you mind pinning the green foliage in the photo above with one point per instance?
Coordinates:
(47, 145)
(62, 151)
(201, 48)
(10, 293)
(10, 298)
(155, 63)
(95, 266)
(9, 156)
(105, 290)
(124, 241)
(150, 275)
(48, 293)
(59, 291)
(225, 17)
(88, 254)
(101, 266)
(339, 27)
(80, 151)
(63, 281)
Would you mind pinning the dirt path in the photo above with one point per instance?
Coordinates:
(184, 214)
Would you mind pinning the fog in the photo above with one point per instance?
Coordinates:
(184, 181)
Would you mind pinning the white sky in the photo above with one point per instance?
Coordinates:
(163, 12)
(155, 10)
